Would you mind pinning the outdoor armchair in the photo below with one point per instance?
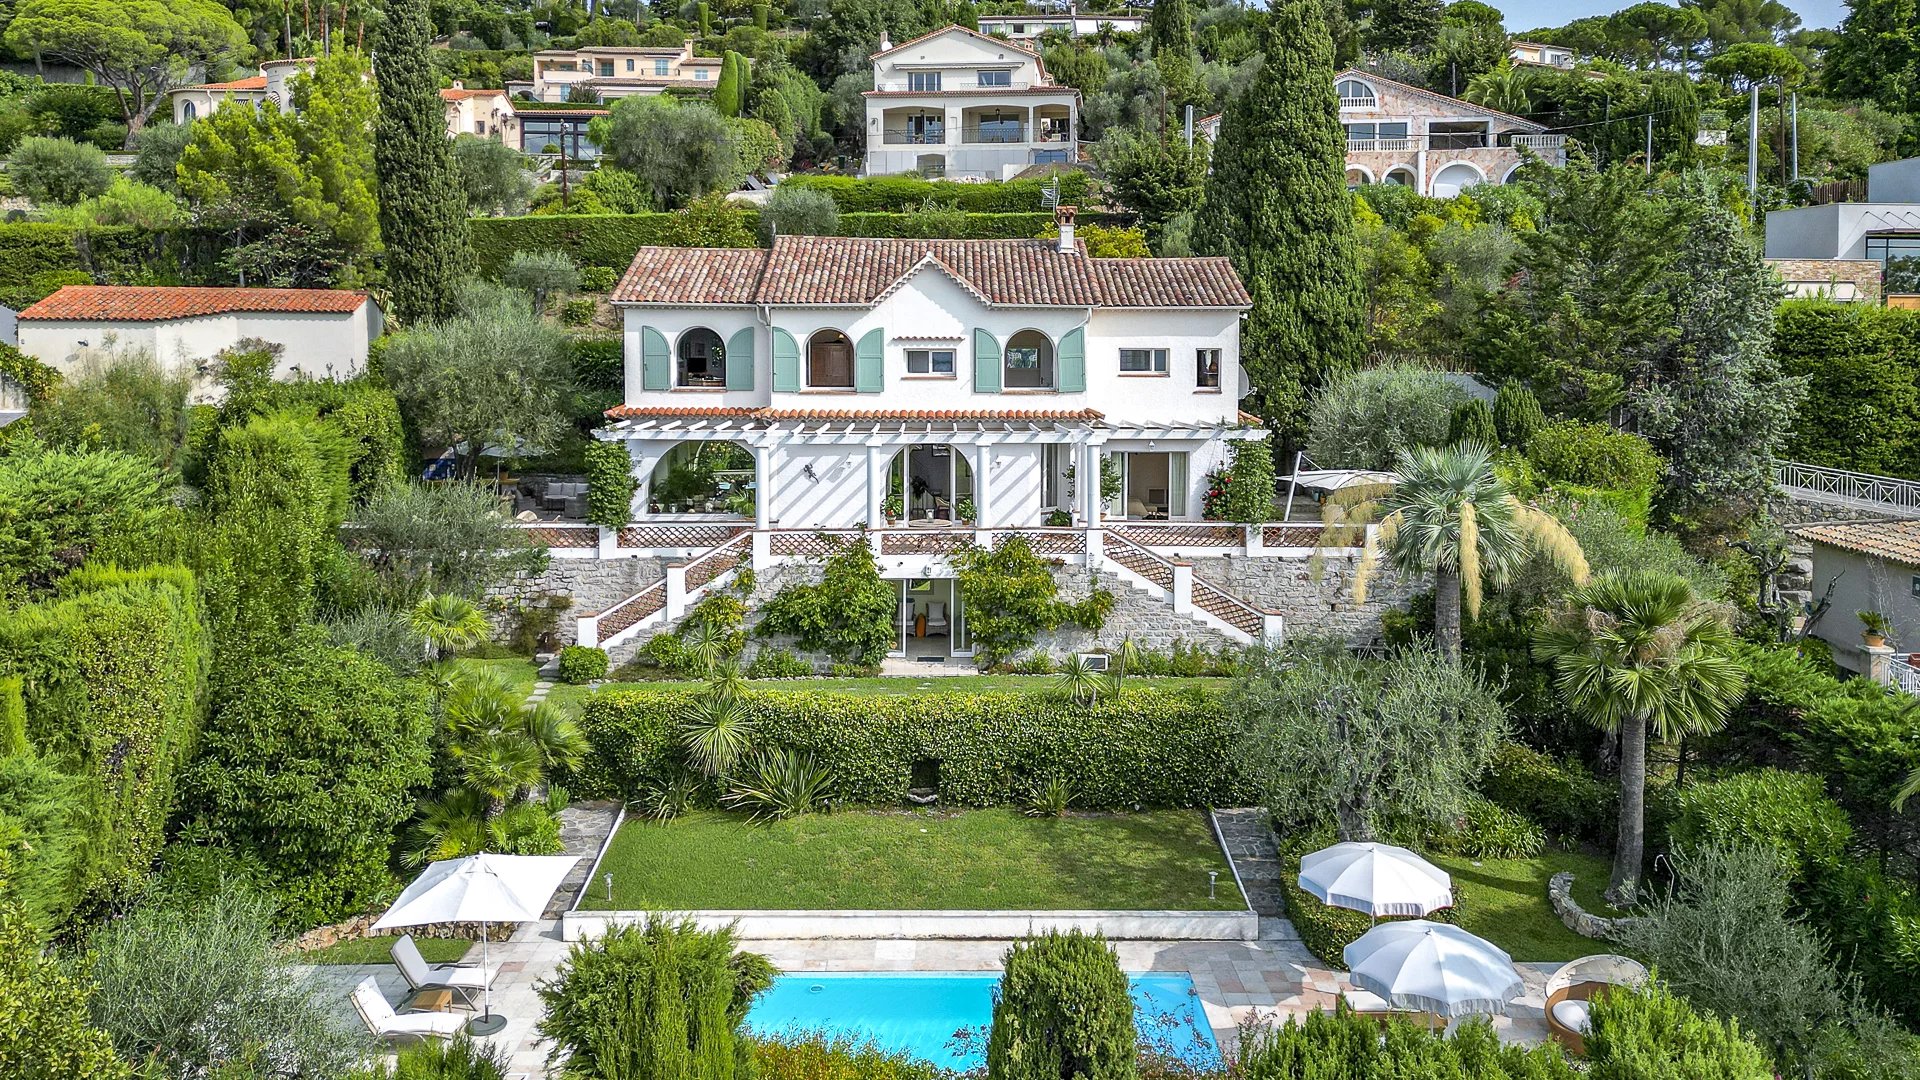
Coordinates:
(380, 1018)
(465, 981)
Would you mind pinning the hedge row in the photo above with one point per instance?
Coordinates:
(854, 195)
(1148, 746)
(1862, 365)
(1326, 930)
(973, 226)
(38, 257)
(113, 676)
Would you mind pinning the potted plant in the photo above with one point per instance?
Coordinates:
(965, 509)
(1874, 628)
(1057, 518)
(892, 506)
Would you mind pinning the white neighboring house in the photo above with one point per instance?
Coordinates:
(324, 332)
(1029, 27)
(1439, 146)
(192, 103)
(486, 113)
(957, 102)
(978, 380)
(1869, 566)
(609, 72)
(1539, 54)
(1885, 226)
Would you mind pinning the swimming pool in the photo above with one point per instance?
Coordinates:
(920, 1013)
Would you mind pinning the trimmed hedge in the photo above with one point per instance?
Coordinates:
(580, 664)
(1022, 225)
(114, 679)
(854, 195)
(1326, 930)
(1862, 366)
(1568, 801)
(116, 254)
(1147, 745)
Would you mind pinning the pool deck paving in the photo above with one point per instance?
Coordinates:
(1239, 983)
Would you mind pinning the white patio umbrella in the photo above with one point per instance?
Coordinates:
(1433, 967)
(483, 888)
(1378, 879)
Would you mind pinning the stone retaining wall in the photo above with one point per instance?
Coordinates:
(361, 926)
(1578, 919)
(942, 925)
(1314, 595)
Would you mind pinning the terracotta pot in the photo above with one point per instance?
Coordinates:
(1874, 641)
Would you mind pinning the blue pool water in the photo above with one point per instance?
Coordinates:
(921, 1014)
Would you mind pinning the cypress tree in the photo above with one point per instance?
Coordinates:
(726, 94)
(1063, 1009)
(1517, 414)
(1277, 204)
(1472, 422)
(423, 210)
(1171, 28)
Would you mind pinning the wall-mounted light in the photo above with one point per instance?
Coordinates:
(807, 471)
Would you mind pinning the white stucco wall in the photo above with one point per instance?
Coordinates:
(959, 58)
(318, 345)
(1864, 584)
(1836, 230)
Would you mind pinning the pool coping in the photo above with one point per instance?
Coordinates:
(1225, 925)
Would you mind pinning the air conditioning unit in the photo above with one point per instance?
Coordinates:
(1097, 661)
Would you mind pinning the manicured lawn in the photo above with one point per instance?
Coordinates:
(1505, 901)
(525, 673)
(921, 860)
(379, 950)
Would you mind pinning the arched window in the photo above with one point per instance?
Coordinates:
(187, 114)
(702, 359)
(1456, 177)
(1029, 361)
(1400, 176)
(1355, 94)
(1358, 178)
(830, 360)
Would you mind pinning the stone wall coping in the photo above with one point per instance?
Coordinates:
(1578, 919)
(1242, 925)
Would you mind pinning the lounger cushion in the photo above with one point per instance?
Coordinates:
(432, 1023)
(1574, 1015)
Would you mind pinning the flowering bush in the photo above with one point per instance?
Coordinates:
(1213, 505)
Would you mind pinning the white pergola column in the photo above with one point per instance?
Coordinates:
(763, 487)
(876, 486)
(983, 485)
(1087, 474)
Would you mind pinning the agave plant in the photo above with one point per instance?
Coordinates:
(667, 801)
(717, 731)
(1079, 680)
(780, 783)
(1050, 799)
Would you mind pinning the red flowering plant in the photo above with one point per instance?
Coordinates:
(1213, 506)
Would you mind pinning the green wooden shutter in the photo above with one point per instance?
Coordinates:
(786, 362)
(1072, 355)
(656, 363)
(740, 360)
(869, 363)
(986, 363)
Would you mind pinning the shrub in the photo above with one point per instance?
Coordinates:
(898, 193)
(1062, 1009)
(1326, 930)
(598, 279)
(581, 664)
(661, 1000)
(1346, 1044)
(818, 1056)
(541, 274)
(1364, 419)
(1144, 744)
(58, 171)
(1486, 830)
(1250, 486)
(799, 211)
(1594, 455)
(610, 484)
(62, 509)
(1565, 798)
(47, 1035)
(850, 615)
(1653, 1032)
(1517, 415)
(1862, 363)
(48, 824)
(1010, 596)
(592, 239)
(118, 401)
(114, 679)
(1472, 422)
(311, 761)
(200, 986)
(34, 378)
(778, 664)
(460, 1059)
(31, 252)
(665, 652)
(1786, 814)
(577, 312)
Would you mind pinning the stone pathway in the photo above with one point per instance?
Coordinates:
(584, 828)
(1255, 855)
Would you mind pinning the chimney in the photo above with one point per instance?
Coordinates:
(885, 41)
(1063, 217)
(458, 85)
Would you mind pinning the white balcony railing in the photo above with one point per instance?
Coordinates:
(1365, 146)
(1904, 676)
(1888, 491)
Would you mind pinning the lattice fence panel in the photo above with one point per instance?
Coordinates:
(808, 544)
(1185, 535)
(1291, 536)
(923, 543)
(564, 536)
(679, 536)
(711, 566)
(631, 610)
(1228, 609)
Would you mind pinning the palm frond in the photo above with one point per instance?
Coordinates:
(1470, 558)
(1551, 538)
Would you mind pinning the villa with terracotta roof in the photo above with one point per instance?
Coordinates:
(928, 395)
(324, 333)
(1869, 566)
(957, 102)
(190, 103)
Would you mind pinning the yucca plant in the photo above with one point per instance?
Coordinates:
(664, 802)
(780, 783)
(1081, 682)
(1050, 799)
(717, 731)
(1126, 661)
(1450, 516)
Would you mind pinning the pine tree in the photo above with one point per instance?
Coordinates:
(1276, 203)
(423, 211)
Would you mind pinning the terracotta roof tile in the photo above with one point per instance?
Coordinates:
(137, 303)
(644, 412)
(251, 82)
(1898, 541)
(838, 271)
(989, 38)
(452, 94)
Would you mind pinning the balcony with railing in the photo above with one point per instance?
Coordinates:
(931, 136)
(1376, 145)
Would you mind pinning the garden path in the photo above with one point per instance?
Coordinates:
(1255, 854)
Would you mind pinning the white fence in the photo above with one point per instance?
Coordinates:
(1903, 676)
(1889, 491)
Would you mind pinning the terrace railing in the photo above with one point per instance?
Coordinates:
(1903, 676)
(1892, 492)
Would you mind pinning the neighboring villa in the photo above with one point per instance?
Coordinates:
(324, 332)
(1869, 566)
(606, 72)
(1536, 54)
(1437, 145)
(191, 103)
(1824, 245)
(1030, 27)
(486, 113)
(961, 103)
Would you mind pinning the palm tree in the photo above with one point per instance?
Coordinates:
(448, 622)
(1503, 87)
(1452, 517)
(1634, 651)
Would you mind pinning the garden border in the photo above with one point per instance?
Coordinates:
(750, 924)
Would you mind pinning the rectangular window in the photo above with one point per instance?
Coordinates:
(930, 361)
(1916, 586)
(701, 75)
(1143, 361)
(1206, 369)
(629, 63)
(606, 67)
(659, 67)
(996, 78)
(926, 81)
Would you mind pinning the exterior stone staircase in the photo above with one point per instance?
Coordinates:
(666, 600)
(1255, 855)
(1202, 601)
